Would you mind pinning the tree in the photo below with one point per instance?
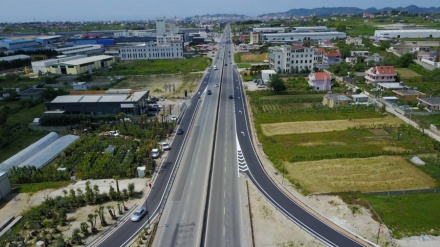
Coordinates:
(91, 218)
(131, 189)
(405, 60)
(100, 212)
(276, 83)
(76, 236)
(84, 228)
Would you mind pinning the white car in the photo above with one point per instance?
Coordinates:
(139, 214)
(155, 153)
(165, 146)
(173, 118)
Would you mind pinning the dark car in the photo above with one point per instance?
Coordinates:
(209, 92)
(179, 132)
(230, 96)
(226, 64)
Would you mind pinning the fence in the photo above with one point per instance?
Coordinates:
(404, 192)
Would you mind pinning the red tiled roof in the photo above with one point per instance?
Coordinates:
(296, 47)
(321, 50)
(383, 70)
(333, 54)
(320, 76)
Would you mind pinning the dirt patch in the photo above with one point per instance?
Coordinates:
(254, 58)
(359, 174)
(395, 149)
(320, 143)
(287, 128)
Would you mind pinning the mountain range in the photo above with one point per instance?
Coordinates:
(413, 9)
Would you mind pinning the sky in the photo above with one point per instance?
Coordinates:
(115, 10)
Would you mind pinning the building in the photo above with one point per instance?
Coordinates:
(82, 65)
(295, 37)
(408, 94)
(81, 50)
(332, 58)
(291, 58)
(310, 29)
(355, 41)
(266, 74)
(5, 185)
(160, 26)
(360, 98)
(412, 33)
(375, 58)
(254, 38)
(46, 40)
(81, 86)
(133, 33)
(17, 44)
(268, 29)
(43, 66)
(335, 100)
(168, 39)
(380, 74)
(31, 94)
(320, 81)
(325, 44)
(359, 53)
(15, 57)
(384, 86)
(432, 104)
(150, 50)
(111, 102)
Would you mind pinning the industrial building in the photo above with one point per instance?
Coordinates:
(5, 185)
(150, 50)
(17, 44)
(400, 34)
(295, 37)
(81, 50)
(43, 66)
(111, 102)
(15, 57)
(82, 65)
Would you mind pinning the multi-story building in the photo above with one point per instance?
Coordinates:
(320, 81)
(150, 50)
(254, 38)
(168, 39)
(380, 74)
(355, 41)
(295, 37)
(332, 57)
(292, 58)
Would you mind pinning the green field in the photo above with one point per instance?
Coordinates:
(408, 215)
(243, 65)
(406, 73)
(145, 67)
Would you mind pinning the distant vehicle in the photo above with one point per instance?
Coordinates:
(209, 92)
(155, 153)
(139, 214)
(261, 86)
(179, 132)
(230, 96)
(165, 146)
(216, 84)
(161, 98)
(215, 67)
(113, 133)
(173, 118)
(226, 64)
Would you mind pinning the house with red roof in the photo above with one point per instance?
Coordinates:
(320, 81)
(332, 57)
(380, 74)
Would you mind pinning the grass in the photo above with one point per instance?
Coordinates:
(250, 57)
(243, 65)
(408, 215)
(146, 67)
(287, 128)
(406, 73)
(32, 188)
(358, 174)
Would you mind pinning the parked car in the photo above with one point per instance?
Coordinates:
(179, 132)
(165, 146)
(155, 153)
(139, 214)
(173, 118)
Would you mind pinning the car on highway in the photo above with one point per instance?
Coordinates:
(139, 214)
(215, 67)
(155, 153)
(216, 85)
(179, 132)
(226, 64)
(209, 92)
(230, 96)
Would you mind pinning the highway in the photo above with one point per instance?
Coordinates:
(224, 217)
(182, 221)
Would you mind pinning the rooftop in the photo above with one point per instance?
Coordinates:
(383, 70)
(338, 97)
(15, 57)
(87, 60)
(431, 101)
(321, 76)
(130, 97)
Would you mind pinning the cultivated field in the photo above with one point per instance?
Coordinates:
(286, 128)
(407, 73)
(358, 174)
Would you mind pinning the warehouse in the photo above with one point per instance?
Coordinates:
(112, 102)
(43, 66)
(400, 34)
(295, 37)
(81, 50)
(82, 65)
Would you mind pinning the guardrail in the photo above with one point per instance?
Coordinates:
(403, 192)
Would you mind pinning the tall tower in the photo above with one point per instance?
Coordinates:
(160, 26)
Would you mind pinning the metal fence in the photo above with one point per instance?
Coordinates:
(404, 192)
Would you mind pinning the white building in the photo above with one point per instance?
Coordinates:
(359, 53)
(150, 50)
(291, 58)
(268, 29)
(414, 33)
(81, 50)
(295, 37)
(266, 74)
(380, 74)
(160, 26)
(355, 41)
(43, 66)
(168, 39)
(320, 81)
(310, 29)
(133, 33)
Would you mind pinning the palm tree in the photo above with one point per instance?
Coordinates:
(100, 212)
(91, 218)
(75, 236)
